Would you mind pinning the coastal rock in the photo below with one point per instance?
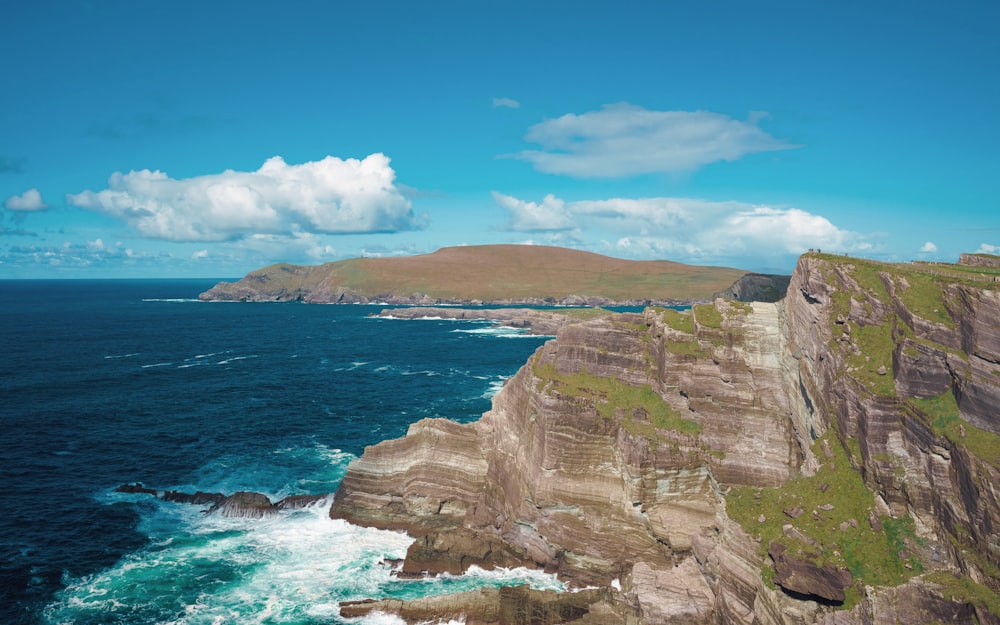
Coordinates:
(198, 498)
(519, 605)
(615, 454)
(240, 504)
(554, 476)
(244, 504)
(542, 322)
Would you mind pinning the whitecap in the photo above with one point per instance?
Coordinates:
(495, 386)
(505, 332)
(235, 358)
(197, 356)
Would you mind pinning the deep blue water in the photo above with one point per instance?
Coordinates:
(108, 382)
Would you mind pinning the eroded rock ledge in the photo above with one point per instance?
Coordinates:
(241, 504)
(535, 321)
(848, 431)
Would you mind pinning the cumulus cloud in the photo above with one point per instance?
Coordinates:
(625, 140)
(550, 215)
(683, 227)
(331, 196)
(986, 248)
(30, 200)
(506, 103)
(929, 248)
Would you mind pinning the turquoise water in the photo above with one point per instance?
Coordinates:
(108, 382)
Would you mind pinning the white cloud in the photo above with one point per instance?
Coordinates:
(683, 227)
(199, 254)
(929, 248)
(30, 200)
(986, 248)
(331, 196)
(625, 140)
(506, 103)
(548, 216)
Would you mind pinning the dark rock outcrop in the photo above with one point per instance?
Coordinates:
(198, 498)
(807, 578)
(241, 504)
(757, 287)
(244, 504)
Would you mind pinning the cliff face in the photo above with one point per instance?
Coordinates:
(757, 287)
(831, 458)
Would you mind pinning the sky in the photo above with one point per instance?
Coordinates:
(207, 139)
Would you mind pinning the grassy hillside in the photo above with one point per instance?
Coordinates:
(501, 272)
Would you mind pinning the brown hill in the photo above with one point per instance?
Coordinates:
(490, 273)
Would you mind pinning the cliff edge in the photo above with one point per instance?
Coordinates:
(831, 458)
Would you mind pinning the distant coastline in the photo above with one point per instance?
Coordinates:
(501, 275)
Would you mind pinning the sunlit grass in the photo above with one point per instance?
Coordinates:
(835, 507)
(642, 411)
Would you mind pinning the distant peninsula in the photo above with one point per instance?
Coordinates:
(526, 275)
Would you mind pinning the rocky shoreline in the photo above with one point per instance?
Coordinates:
(829, 459)
(533, 320)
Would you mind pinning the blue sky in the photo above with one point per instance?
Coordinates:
(207, 139)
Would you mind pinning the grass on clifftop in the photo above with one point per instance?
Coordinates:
(611, 395)
(835, 506)
(680, 321)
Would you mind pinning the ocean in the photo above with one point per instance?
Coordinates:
(104, 383)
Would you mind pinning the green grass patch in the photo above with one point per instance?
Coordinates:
(841, 535)
(924, 298)
(684, 348)
(642, 410)
(876, 347)
(738, 308)
(680, 321)
(942, 413)
(963, 588)
(707, 315)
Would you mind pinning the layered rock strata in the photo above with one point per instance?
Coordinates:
(742, 463)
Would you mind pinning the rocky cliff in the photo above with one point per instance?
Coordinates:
(832, 458)
(757, 287)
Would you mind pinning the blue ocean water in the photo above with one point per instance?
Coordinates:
(108, 382)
